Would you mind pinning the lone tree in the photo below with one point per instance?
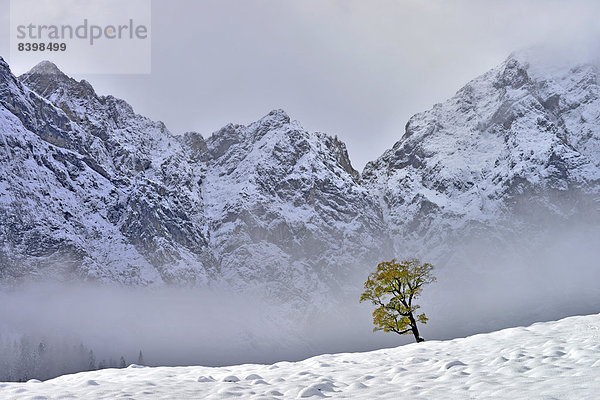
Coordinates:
(392, 288)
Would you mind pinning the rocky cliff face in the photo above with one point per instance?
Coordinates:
(513, 148)
(90, 190)
(287, 201)
(74, 174)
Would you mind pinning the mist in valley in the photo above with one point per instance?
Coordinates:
(480, 288)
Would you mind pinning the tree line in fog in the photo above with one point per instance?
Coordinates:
(27, 358)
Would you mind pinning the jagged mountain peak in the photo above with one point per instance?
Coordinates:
(276, 135)
(278, 116)
(134, 137)
(513, 73)
(522, 137)
(47, 79)
(240, 139)
(272, 122)
(274, 119)
(45, 67)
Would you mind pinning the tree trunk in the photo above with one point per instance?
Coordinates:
(415, 330)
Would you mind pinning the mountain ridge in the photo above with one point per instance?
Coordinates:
(186, 209)
(273, 204)
(495, 144)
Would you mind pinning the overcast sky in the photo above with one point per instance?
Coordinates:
(353, 68)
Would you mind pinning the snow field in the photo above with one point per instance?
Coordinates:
(552, 360)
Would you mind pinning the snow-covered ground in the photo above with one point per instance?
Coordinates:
(551, 360)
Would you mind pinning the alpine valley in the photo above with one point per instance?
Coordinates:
(92, 191)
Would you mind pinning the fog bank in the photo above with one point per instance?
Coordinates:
(478, 290)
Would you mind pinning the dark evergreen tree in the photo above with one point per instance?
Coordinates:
(91, 361)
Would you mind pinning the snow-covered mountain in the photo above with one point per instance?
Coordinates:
(551, 360)
(514, 148)
(91, 190)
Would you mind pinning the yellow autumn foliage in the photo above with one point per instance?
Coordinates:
(392, 288)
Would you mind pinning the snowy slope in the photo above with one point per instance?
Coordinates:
(552, 360)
